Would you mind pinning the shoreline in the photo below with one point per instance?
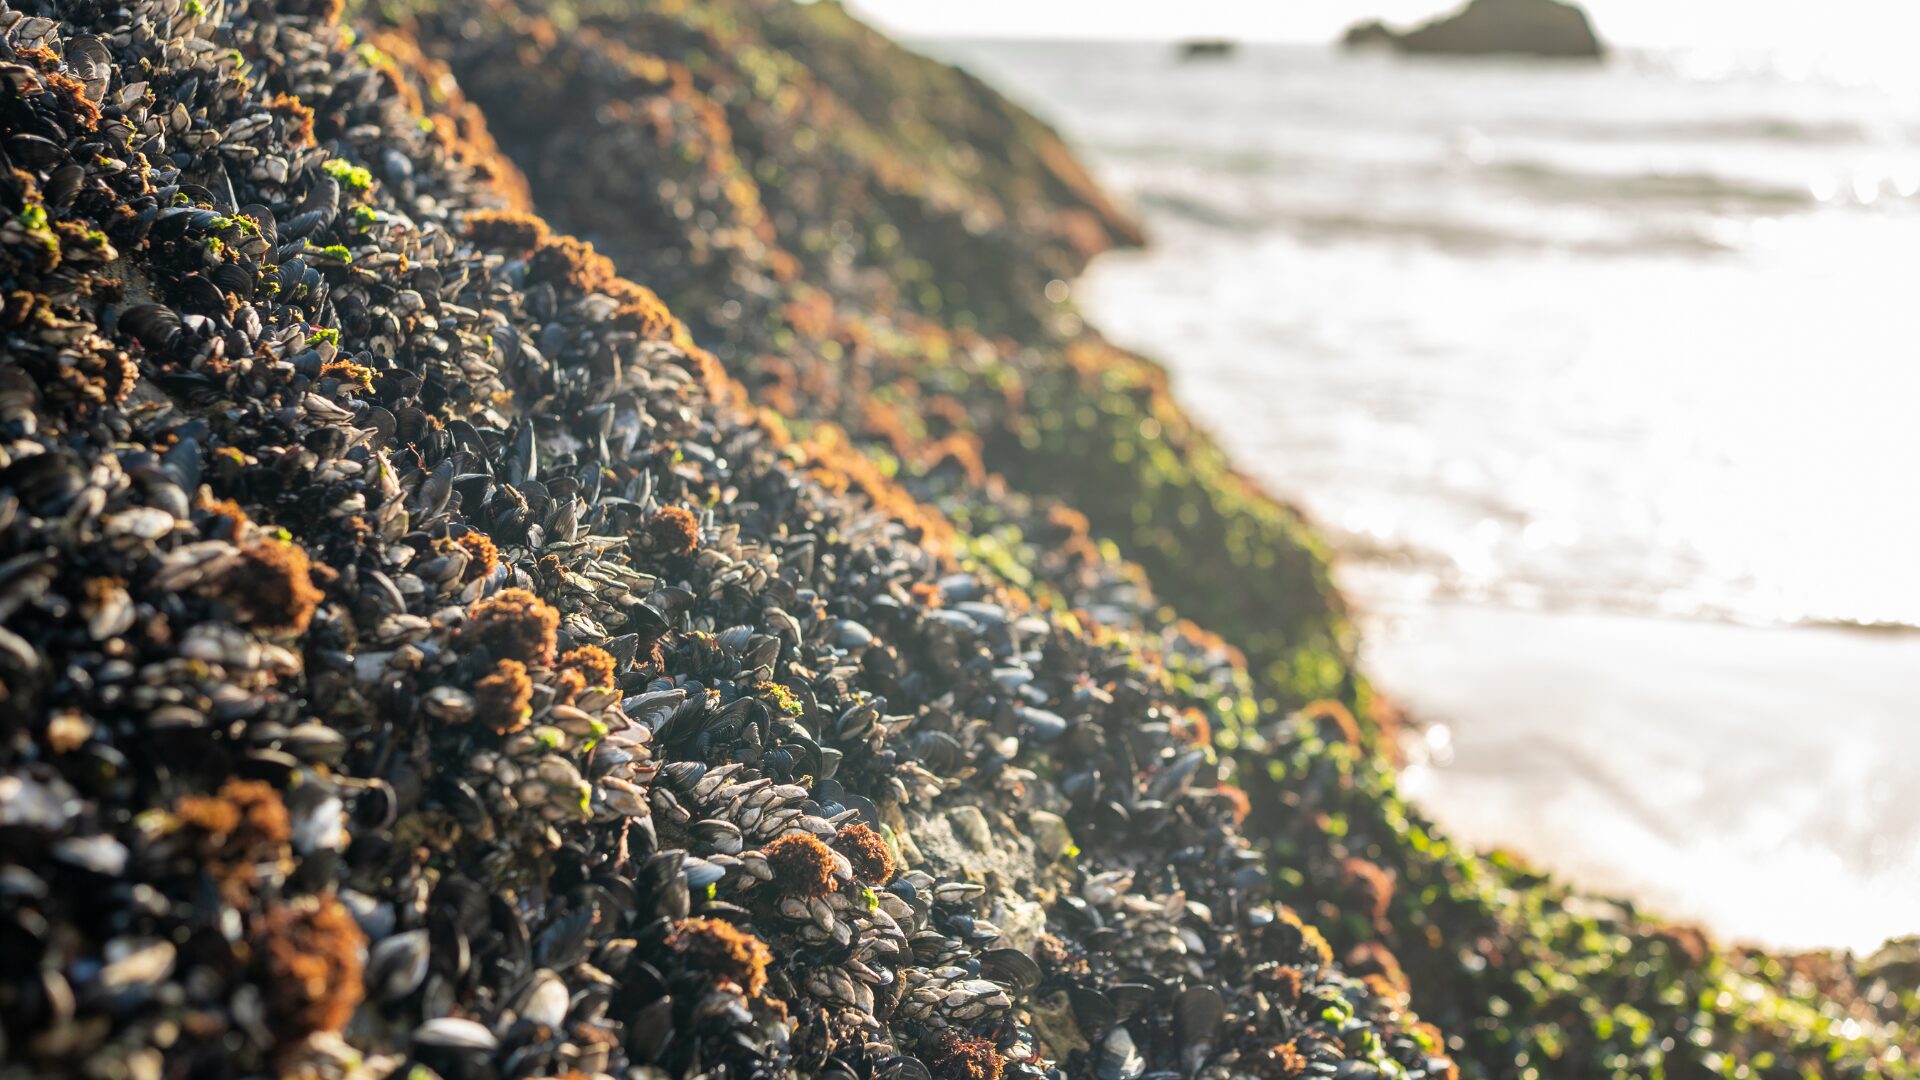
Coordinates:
(1537, 742)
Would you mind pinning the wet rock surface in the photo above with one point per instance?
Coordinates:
(414, 660)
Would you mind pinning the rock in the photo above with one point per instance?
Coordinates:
(1050, 834)
(1370, 34)
(971, 827)
(1549, 28)
(1207, 49)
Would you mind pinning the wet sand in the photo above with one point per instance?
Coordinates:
(1759, 781)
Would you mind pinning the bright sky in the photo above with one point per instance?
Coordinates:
(1827, 26)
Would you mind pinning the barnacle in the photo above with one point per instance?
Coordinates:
(959, 1057)
(567, 684)
(719, 947)
(514, 624)
(71, 92)
(802, 865)
(503, 700)
(272, 587)
(863, 847)
(308, 957)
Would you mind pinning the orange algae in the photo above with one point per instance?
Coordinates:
(863, 847)
(958, 1057)
(514, 624)
(1281, 1061)
(296, 116)
(504, 700)
(507, 230)
(595, 665)
(272, 588)
(719, 947)
(236, 830)
(802, 865)
(672, 530)
(482, 555)
(308, 955)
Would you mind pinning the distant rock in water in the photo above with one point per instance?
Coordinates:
(1207, 49)
(1487, 27)
(1370, 34)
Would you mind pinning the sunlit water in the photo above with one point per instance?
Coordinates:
(1577, 367)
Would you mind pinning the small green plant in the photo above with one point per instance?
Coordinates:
(346, 172)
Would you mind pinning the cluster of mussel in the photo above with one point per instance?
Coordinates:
(410, 664)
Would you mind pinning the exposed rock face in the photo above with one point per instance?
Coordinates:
(1550, 28)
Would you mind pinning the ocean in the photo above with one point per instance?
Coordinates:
(1600, 381)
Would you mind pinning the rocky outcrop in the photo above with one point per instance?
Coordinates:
(922, 318)
(417, 649)
(419, 661)
(1546, 28)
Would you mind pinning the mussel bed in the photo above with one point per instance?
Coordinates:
(415, 660)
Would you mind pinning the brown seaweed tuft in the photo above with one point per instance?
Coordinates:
(594, 664)
(864, 848)
(308, 958)
(482, 555)
(722, 949)
(1280, 1061)
(507, 230)
(272, 587)
(237, 830)
(802, 865)
(296, 116)
(672, 530)
(514, 624)
(503, 700)
(960, 1057)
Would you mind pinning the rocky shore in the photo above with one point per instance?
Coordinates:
(418, 662)
(420, 656)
